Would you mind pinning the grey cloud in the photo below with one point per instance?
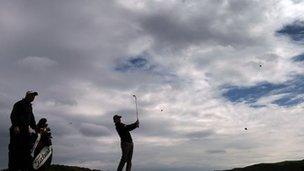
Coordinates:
(72, 41)
(79, 149)
(93, 130)
(4, 135)
(3, 103)
(4, 150)
(156, 127)
(297, 1)
(227, 26)
(200, 134)
(240, 143)
(69, 124)
(66, 102)
(61, 127)
(216, 151)
(59, 101)
(36, 62)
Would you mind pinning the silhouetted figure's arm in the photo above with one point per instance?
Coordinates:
(15, 119)
(132, 126)
(32, 122)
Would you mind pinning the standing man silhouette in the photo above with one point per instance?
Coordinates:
(20, 146)
(126, 142)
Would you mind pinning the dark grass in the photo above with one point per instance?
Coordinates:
(281, 166)
(64, 168)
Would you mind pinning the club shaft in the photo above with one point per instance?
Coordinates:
(135, 98)
(136, 109)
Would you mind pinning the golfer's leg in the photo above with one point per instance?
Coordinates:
(23, 160)
(123, 157)
(29, 161)
(29, 157)
(12, 152)
(129, 160)
(121, 164)
(12, 161)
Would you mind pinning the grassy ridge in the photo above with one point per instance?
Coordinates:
(281, 166)
(65, 168)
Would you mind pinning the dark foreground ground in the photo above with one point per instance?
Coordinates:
(66, 168)
(281, 166)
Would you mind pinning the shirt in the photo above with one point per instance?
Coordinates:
(22, 115)
(123, 131)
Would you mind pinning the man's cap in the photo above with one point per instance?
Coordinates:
(31, 93)
(116, 117)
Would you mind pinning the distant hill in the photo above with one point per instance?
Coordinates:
(281, 166)
(65, 168)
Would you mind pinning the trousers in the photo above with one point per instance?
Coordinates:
(19, 155)
(126, 157)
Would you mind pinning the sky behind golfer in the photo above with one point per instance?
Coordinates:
(203, 71)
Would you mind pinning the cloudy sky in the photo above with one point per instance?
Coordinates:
(203, 71)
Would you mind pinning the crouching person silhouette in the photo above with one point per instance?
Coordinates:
(126, 142)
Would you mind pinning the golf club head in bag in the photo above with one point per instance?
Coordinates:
(43, 146)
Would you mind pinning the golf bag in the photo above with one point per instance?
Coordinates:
(42, 150)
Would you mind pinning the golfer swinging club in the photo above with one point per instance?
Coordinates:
(126, 142)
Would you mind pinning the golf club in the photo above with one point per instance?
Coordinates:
(135, 98)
